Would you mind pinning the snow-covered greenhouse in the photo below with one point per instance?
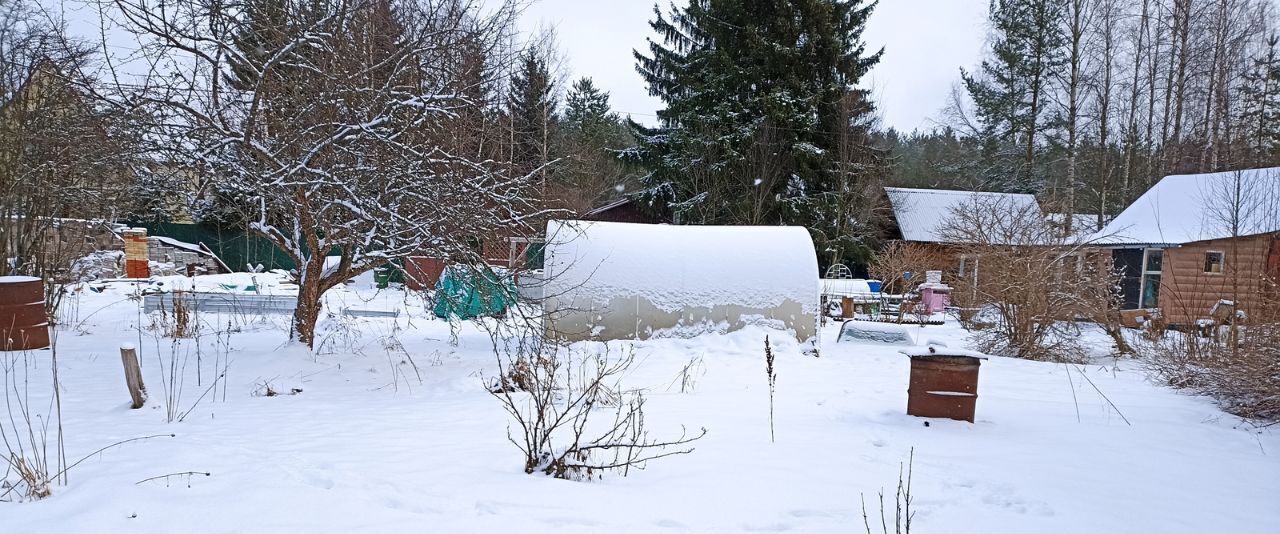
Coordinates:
(609, 281)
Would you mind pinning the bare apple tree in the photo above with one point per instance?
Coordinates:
(337, 121)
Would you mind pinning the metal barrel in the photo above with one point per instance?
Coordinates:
(24, 324)
(944, 387)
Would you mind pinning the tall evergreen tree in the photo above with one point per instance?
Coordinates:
(1012, 89)
(589, 137)
(761, 100)
(586, 106)
(1261, 95)
(532, 108)
(265, 28)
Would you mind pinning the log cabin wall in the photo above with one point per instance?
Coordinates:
(1189, 288)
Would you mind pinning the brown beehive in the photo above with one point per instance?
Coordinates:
(24, 323)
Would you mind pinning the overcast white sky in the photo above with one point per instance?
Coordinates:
(926, 42)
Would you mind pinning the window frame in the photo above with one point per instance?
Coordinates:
(1148, 274)
(1222, 262)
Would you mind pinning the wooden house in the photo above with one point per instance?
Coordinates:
(1192, 242)
(926, 217)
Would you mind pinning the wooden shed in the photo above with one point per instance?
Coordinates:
(624, 210)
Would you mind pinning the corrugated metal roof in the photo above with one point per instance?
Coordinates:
(922, 213)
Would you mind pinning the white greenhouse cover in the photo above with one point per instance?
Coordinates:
(622, 280)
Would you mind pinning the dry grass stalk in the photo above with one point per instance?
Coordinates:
(773, 381)
(902, 514)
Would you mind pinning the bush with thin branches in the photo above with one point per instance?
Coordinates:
(571, 417)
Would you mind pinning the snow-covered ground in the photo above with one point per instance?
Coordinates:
(367, 446)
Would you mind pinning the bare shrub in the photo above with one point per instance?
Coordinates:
(572, 418)
(1237, 364)
(1036, 285)
(64, 155)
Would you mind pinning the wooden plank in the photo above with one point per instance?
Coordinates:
(133, 376)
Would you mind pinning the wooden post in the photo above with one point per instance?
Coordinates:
(133, 376)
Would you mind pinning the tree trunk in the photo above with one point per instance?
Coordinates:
(1076, 34)
(309, 292)
(1180, 86)
(1153, 73)
(1131, 128)
(133, 376)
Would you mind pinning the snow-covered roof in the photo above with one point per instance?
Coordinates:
(601, 209)
(922, 213)
(1199, 207)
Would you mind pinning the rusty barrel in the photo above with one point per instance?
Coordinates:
(944, 387)
(24, 324)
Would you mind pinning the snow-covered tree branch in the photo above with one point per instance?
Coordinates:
(338, 121)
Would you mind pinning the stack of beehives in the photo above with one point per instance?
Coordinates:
(136, 261)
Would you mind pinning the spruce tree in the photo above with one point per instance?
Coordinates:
(589, 138)
(1012, 88)
(265, 27)
(757, 113)
(1261, 114)
(587, 107)
(532, 108)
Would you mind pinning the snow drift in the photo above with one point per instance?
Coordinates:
(609, 281)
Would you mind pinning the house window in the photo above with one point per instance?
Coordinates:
(1152, 265)
(968, 267)
(1154, 261)
(1213, 262)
